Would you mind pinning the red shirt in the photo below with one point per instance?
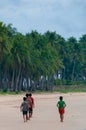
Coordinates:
(32, 102)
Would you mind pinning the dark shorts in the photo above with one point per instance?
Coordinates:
(24, 112)
(30, 110)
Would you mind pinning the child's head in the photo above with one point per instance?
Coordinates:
(61, 98)
(24, 98)
(27, 95)
(30, 94)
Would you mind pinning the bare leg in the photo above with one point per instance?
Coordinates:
(62, 117)
(30, 114)
(27, 117)
(24, 117)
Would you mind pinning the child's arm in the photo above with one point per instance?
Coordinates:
(57, 105)
(64, 104)
(21, 108)
(33, 104)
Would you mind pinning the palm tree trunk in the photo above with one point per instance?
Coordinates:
(0, 78)
(73, 70)
(12, 83)
(17, 79)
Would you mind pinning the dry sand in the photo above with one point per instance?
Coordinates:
(45, 116)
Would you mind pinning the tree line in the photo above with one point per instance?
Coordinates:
(37, 61)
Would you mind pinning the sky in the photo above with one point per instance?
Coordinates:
(65, 17)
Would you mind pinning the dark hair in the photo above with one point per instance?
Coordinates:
(24, 98)
(27, 95)
(61, 98)
(30, 94)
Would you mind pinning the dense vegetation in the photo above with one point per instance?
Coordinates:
(40, 61)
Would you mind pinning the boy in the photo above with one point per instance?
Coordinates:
(61, 107)
(24, 109)
(31, 105)
(28, 102)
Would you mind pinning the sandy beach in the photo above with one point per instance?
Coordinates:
(45, 115)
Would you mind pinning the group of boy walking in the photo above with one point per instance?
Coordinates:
(27, 106)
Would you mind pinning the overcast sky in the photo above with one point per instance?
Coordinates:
(66, 17)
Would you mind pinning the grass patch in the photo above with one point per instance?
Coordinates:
(61, 89)
(10, 93)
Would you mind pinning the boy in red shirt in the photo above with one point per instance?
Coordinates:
(31, 105)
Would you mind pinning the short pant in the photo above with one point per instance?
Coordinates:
(30, 110)
(61, 111)
(24, 112)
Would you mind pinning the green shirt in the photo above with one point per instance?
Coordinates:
(61, 104)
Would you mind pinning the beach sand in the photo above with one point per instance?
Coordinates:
(45, 113)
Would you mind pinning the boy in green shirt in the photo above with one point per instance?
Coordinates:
(61, 107)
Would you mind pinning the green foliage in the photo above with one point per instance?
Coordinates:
(33, 57)
(5, 89)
